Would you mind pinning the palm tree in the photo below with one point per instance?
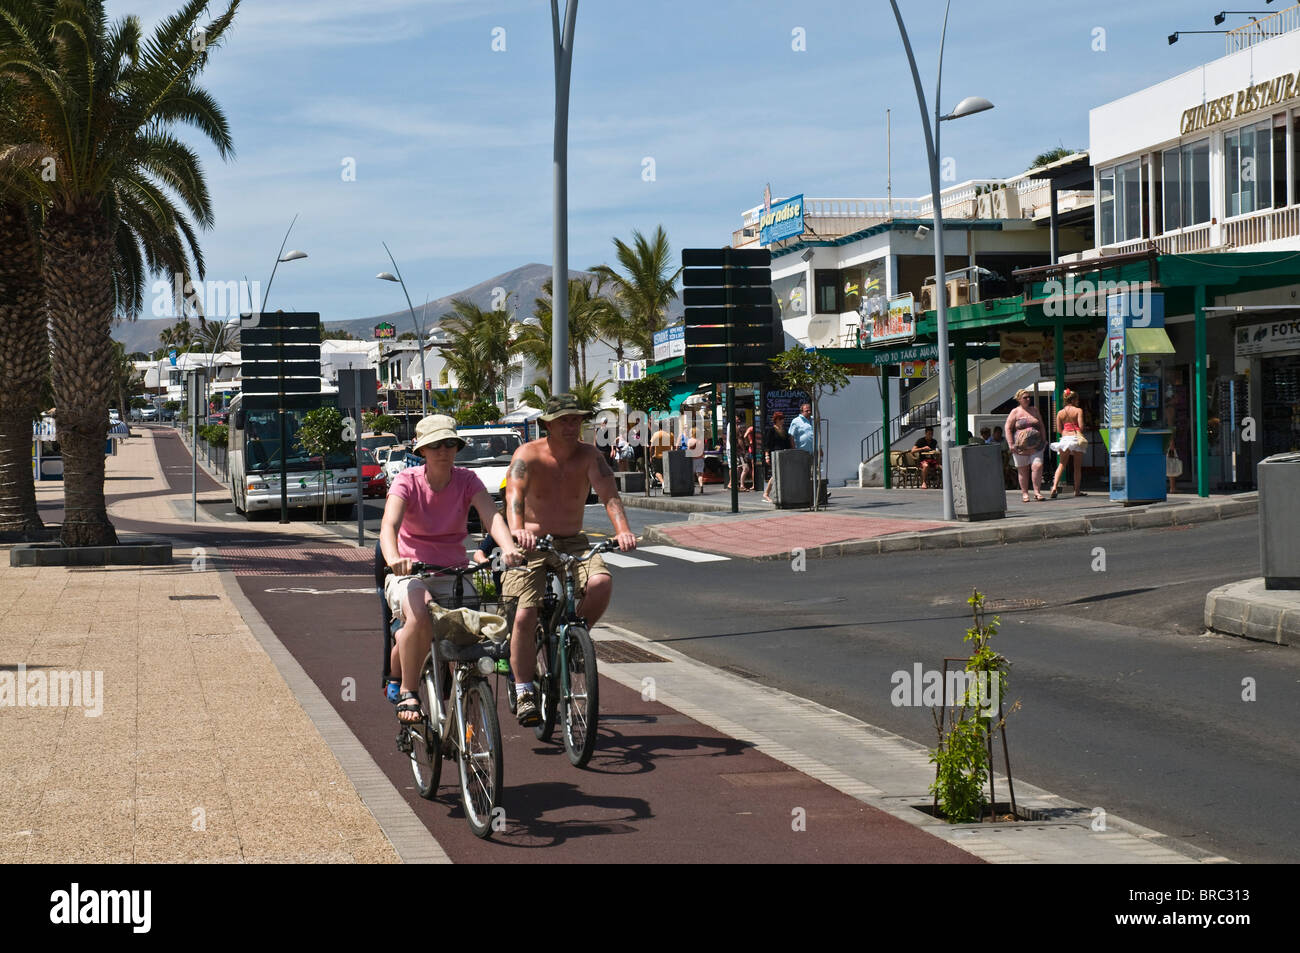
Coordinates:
(590, 315)
(103, 102)
(463, 359)
(645, 290)
(538, 394)
(488, 333)
(24, 360)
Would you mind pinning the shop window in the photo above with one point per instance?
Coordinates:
(1248, 168)
(1186, 185)
(1107, 202)
(828, 291)
(1128, 201)
(1279, 161)
(1122, 199)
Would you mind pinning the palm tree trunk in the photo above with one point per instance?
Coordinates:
(24, 362)
(79, 296)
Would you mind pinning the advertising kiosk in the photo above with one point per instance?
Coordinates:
(1132, 427)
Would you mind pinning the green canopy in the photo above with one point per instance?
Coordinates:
(680, 392)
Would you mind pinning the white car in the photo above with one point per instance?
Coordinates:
(487, 452)
(394, 460)
(148, 413)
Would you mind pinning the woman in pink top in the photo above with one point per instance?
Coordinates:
(424, 521)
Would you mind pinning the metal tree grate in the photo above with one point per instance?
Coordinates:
(618, 651)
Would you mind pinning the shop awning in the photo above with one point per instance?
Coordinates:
(680, 392)
(1143, 341)
(521, 415)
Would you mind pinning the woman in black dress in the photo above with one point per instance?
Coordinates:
(775, 439)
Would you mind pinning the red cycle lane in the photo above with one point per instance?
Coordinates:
(661, 787)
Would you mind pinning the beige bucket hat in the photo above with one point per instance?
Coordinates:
(433, 428)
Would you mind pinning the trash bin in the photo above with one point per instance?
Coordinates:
(977, 490)
(679, 474)
(1279, 520)
(791, 479)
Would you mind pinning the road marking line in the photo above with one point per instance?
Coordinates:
(618, 559)
(690, 555)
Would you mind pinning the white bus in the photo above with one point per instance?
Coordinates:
(254, 462)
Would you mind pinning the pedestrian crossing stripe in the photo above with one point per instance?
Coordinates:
(624, 561)
(690, 555)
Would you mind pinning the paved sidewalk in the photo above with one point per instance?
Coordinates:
(199, 750)
(873, 520)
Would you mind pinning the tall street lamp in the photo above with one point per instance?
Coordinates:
(418, 326)
(967, 107)
(563, 46)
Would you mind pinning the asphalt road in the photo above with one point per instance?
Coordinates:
(1126, 704)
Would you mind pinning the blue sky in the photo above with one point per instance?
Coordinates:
(452, 140)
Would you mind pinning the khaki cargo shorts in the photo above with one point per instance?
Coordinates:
(523, 588)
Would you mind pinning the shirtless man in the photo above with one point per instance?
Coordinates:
(547, 494)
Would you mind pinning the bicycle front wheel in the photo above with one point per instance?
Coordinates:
(480, 756)
(425, 737)
(580, 705)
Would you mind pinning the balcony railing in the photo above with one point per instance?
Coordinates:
(1262, 227)
(1275, 24)
(1258, 228)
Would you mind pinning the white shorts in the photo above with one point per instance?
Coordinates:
(396, 588)
(1028, 459)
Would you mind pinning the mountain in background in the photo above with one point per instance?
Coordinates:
(524, 285)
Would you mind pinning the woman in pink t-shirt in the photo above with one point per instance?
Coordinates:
(424, 521)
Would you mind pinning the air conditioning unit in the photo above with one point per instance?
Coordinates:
(927, 298)
(958, 292)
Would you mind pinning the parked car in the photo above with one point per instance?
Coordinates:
(148, 413)
(379, 441)
(372, 476)
(396, 459)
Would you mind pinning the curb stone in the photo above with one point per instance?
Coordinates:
(985, 535)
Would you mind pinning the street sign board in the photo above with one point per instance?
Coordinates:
(738, 334)
(272, 401)
(265, 335)
(692, 297)
(290, 385)
(707, 277)
(285, 319)
(290, 352)
(735, 257)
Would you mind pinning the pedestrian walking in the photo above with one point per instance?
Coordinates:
(1028, 436)
(1069, 423)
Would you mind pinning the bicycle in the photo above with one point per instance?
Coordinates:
(459, 706)
(569, 689)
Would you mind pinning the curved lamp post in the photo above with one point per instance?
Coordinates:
(967, 107)
(419, 327)
(293, 255)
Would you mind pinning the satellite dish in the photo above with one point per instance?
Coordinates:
(821, 330)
